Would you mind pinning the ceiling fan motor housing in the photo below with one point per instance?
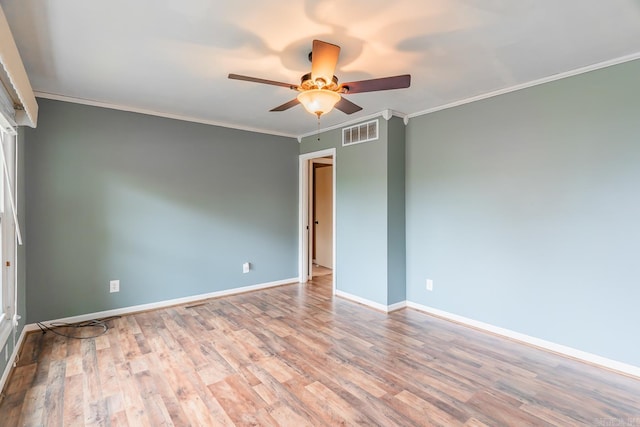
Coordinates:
(306, 83)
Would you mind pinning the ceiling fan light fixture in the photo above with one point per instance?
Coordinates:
(318, 101)
(319, 91)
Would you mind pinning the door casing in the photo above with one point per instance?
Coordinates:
(304, 218)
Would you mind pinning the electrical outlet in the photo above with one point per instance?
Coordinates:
(114, 286)
(429, 284)
(246, 267)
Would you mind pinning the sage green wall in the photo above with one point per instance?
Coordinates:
(363, 214)
(170, 208)
(525, 211)
(396, 233)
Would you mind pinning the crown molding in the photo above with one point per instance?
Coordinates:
(549, 79)
(130, 109)
(386, 114)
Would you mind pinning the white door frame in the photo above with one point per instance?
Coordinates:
(303, 219)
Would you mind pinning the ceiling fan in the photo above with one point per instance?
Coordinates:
(319, 89)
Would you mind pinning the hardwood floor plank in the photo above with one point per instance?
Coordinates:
(429, 411)
(102, 342)
(334, 409)
(107, 374)
(132, 402)
(54, 396)
(119, 419)
(31, 349)
(116, 407)
(217, 367)
(12, 405)
(34, 399)
(238, 399)
(59, 349)
(472, 422)
(283, 396)
(167, 394)
(265, 394)
(254, 347)
(155, 409)
(127, 340)
(95, 407)
(550, 416)
(73, 365)
(503, 410)
(74, 404)
(286, 416)
(21, 378)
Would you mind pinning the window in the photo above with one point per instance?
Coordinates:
(8, 235)
(17, 107)
(3, 295)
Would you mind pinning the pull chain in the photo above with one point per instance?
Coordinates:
(318, 134)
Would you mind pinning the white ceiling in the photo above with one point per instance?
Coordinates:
(172, 57)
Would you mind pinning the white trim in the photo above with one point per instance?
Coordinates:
(10, 232)
(5, 329)
(166, 303)
(526, 85)
(363, 301)
(12, 359)
(7, 113)
(16, 80)
(10, 188)
(303, 211)
(397, 306)
(537, 342)
(375, 305)
(383, 113)
(354, 121)
(121, 107)
(165, 115)
(7, 125)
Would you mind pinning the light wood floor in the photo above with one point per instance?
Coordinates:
(293, 355)
(319, 270)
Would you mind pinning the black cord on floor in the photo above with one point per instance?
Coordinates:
(98, 323)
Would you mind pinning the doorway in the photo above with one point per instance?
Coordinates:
(322, 213)
(317, 214)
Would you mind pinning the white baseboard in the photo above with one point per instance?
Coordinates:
(162, 304)
(360, 300)
(372, 304)
(12, 359)
(397, 306)
(537, 342)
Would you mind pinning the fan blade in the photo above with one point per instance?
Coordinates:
(324, 58)
(347, 106)
(384, 83)
(286, 105)
(256, 80)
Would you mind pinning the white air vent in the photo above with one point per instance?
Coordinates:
(360, 133)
